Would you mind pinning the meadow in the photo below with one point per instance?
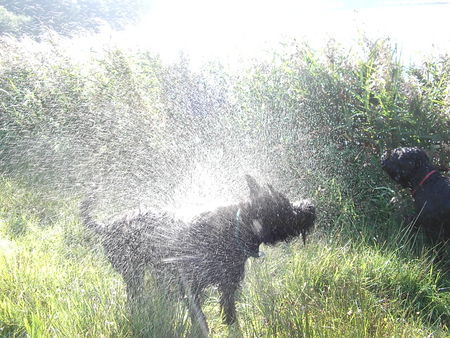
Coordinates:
(140, 131)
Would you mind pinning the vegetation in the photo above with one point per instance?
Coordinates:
(36, 17)
(313, 123)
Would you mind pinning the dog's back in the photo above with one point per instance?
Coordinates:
(134, 240)
(432, 203)
(214, 247)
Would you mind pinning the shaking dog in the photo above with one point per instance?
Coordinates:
(210, 250)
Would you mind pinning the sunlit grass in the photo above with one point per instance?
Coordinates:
(44, 294)
(50, 287)
(312, 123)
(55, 282)
(331, 290)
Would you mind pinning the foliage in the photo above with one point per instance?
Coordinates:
(135, 126)
(56, 282)
(33, 18)
(11, 23)
(138, 131)
(346, 290)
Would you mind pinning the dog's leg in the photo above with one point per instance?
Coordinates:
(193, 298)
(198, 318)
(228, 303)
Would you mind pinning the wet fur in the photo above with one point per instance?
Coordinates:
(211, 250)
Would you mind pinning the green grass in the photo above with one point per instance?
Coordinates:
(316, 120)
(55, 282)
(352, 290)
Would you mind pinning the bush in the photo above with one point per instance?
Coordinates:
(136, 131)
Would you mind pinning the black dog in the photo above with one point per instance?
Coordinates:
(211, 250)
(411, 168)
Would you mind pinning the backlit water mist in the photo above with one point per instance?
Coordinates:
(139, 133)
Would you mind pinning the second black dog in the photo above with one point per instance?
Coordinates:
(411, 168)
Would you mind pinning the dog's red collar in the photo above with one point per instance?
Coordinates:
(426, 177)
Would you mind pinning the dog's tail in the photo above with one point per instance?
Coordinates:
(86, 217)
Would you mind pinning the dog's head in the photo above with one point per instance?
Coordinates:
(278, 218)
(305, 216)
(402, 164)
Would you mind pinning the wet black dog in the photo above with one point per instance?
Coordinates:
(411, 168)
(211, 250)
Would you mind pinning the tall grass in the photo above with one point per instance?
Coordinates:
(55, 281)
(50, 284)
(353, 290)
(312, 123)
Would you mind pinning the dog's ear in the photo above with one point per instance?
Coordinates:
(422, 158)
(414, 158)
(255, 188)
